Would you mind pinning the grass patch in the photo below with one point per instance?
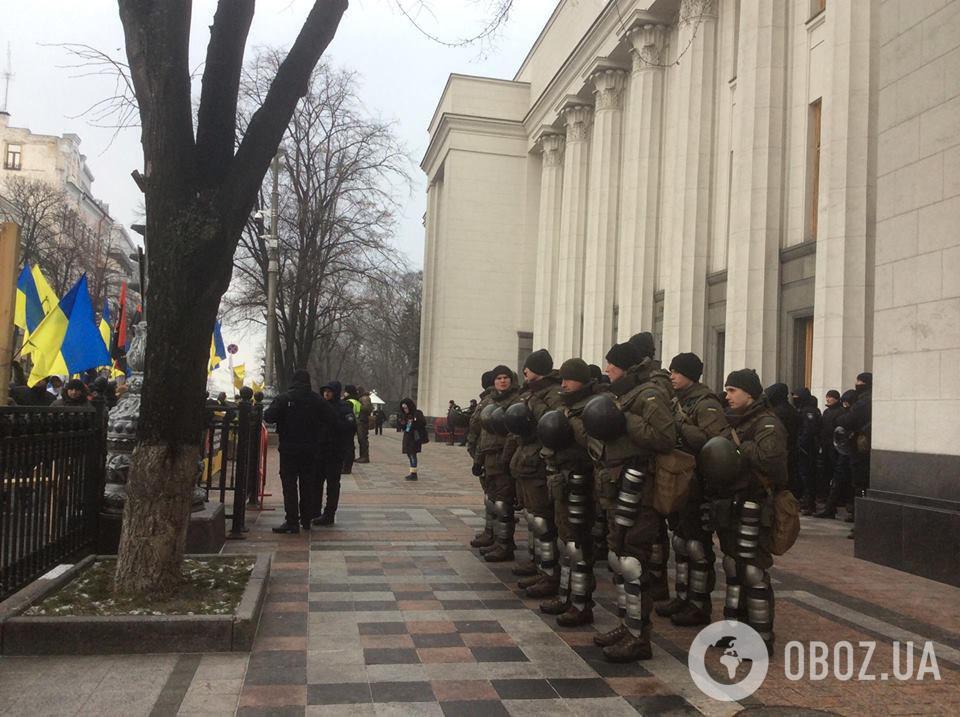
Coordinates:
(212, 586)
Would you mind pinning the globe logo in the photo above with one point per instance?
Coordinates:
(728, 660)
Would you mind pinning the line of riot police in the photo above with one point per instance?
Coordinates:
(622, 468)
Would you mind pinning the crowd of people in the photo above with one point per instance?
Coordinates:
(56, 391)
(321, 435)
(626, 463)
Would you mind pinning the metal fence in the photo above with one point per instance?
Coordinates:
(52, 467)
(231, 459)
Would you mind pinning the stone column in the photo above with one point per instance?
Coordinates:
(548, 242)
(639, 210)
(573, 226)
(684, 303)
(602, 209)
(425, 370)
(753, 265)
(843, 285)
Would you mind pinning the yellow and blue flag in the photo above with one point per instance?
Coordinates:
(28, 312)
(48, 297)
(218, 351)
(105, 324)
(67, 341)
(239, 374)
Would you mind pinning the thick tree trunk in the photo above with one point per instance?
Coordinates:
(155, 518)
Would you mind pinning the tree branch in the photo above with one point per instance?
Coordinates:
(217, 115)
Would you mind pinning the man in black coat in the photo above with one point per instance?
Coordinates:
(336, 448)
(303, 419)
(828, 454)
(808, 446)
(857, 422)
(778, 399)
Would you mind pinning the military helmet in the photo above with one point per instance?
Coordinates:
(554, 430)
(485, 415)
(841, 441)
(519, 420)
(497, 423)
(603, 419)
(719, 461)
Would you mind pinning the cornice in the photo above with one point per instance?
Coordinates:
(472, 78)
(450, 122)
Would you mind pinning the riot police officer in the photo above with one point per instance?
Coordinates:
(570, 476)
(699, 417)
(627, 428)
(485, 537)
(499, 485)
(540, 393)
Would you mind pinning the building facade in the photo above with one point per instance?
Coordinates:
(773, 185)
(58, 162)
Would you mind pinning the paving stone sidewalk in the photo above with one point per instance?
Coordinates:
(389, 612)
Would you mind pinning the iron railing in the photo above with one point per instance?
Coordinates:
(52, 468)
(231, 458)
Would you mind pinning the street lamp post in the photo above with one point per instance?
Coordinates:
(273, 270)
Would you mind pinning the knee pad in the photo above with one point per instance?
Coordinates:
(754, 577)
(501, 510)
(539, 526)
(729, 567)
(529, 517)
(679, 546)
(658, 555)
(696, 550)
(613, 560)
(748, 531)
(488, 505)
(575, 553)
(630, 568)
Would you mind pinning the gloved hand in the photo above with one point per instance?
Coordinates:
(477, 470)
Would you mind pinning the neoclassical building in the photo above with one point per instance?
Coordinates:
(750, 180)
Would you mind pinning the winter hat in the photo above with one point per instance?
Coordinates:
(502, 370)
(849, 396)
(75, 384)
(644, 344)
(575, 369)
(833, 393)
(866, 377)
(624, 355)
(747, 380)
(596, 373)
(486, 379)
(689, 365)
(540, 362)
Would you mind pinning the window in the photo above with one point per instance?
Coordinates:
(721, 347)
(813, 169)
(12, 160)
(817, 7)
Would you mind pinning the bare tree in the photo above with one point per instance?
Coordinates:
(339, 174)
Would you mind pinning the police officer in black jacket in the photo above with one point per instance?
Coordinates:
(335, 453)
(303, 420)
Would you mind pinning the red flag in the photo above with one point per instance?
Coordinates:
(120, 332)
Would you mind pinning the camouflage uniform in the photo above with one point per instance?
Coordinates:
(485, 537)
(498, 484)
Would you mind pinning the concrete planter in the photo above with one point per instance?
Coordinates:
(94, 635)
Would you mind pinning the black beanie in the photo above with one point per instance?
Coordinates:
(747, 380)
(833, 393)
(575, 369)
(301, 377)
(500, 370)
(689, 365)
(644, 344)
(866, 377)
(540, 362)
(624, 355)
(596, 373)
(486, 379)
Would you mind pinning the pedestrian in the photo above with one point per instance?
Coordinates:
(453, 415)
(334, 450)
(379, 418)
(74, 394)
(833, 409)
(413, 425)
(54, 386)
(629, 425)
(303, 419)
(761, 442)
(363, 424)
(700, 417)
(808, 447)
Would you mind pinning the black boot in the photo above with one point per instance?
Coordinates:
(289, 528)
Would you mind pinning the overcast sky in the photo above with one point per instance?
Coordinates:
(401, 71)
(402, 74)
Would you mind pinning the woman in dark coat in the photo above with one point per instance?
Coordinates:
(413, 425)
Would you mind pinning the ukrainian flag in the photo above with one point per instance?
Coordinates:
(48, 298)
(67, 341)
(28, 312)
(106, 332)
(217, 350)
